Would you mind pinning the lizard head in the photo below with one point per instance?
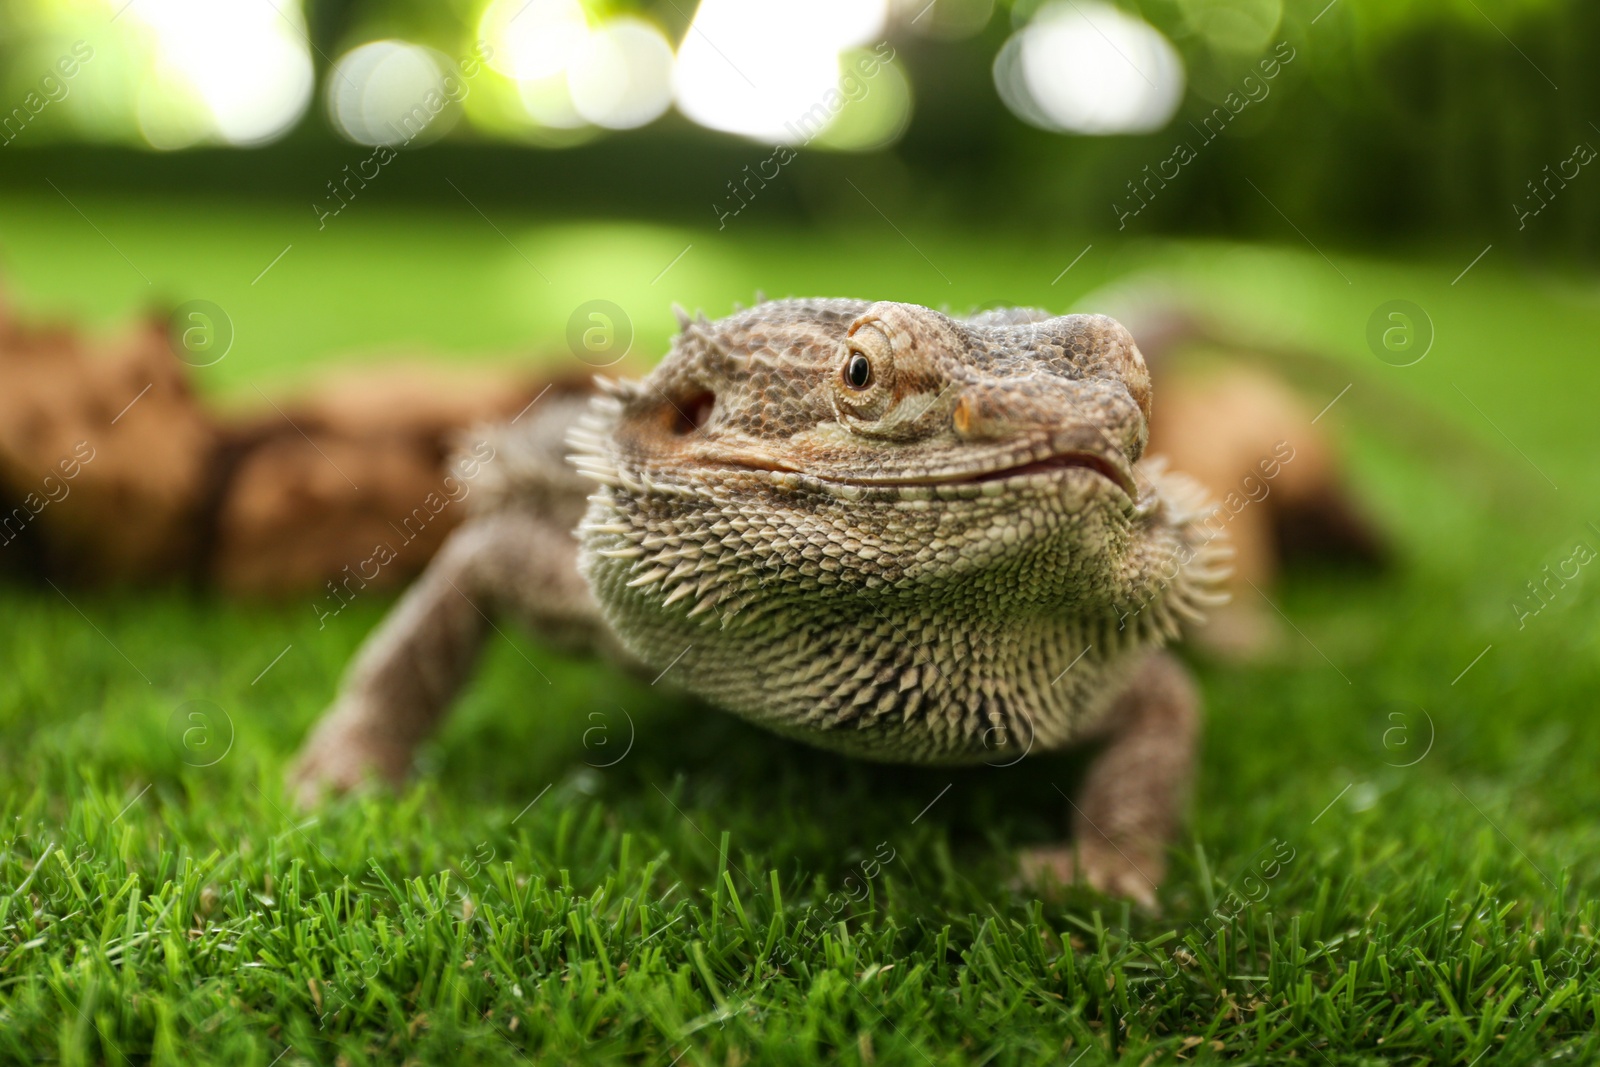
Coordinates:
(861, 395)
(860, 474)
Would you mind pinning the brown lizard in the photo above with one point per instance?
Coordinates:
(869, 526)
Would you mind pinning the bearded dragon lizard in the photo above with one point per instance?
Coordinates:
(869, 526)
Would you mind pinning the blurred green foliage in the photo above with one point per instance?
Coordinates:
(1396, 122)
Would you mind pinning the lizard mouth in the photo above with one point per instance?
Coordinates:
(1113, 467)
(1114, 470)
(1118, 474)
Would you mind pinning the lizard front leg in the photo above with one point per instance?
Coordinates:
(1133, 798)
(508, 562)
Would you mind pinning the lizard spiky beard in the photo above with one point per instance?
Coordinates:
(890, 532)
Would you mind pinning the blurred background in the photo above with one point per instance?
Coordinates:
(628, 131)
(1380, 121)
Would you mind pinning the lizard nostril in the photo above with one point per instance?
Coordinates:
(961, 418)
(693, 412)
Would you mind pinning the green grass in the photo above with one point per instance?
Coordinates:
(548, 892)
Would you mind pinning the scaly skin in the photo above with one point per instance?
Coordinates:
(869, 526)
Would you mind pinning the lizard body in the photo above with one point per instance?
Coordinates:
(870, 526)
(904, 571)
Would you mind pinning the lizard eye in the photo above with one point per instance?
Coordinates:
(864, 386)
(868, 356)
(690, 414)
(858, 371)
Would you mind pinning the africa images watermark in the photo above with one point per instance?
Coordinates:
(1582, 155)
(54, 489)
(1211, 127)
(1256, 489)
(1229, 908)
(455, 487)
(853, 86)
(451, 90)
(821, 917)
(1548, 586)
(51, 90)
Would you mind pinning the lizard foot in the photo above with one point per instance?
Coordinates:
(344, 752)
(1100, 865)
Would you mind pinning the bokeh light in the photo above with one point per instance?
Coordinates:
(236, 71)
(1082, 66)
(771, 71)
(947, 20)
(533, 39)
(1242, 27)
(548, 101)
(569, 71)
(621, 76)
(169, 113)
(391, 93)
(877, 104)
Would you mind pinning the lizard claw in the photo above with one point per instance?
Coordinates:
(1049, 868)
(342, 754)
